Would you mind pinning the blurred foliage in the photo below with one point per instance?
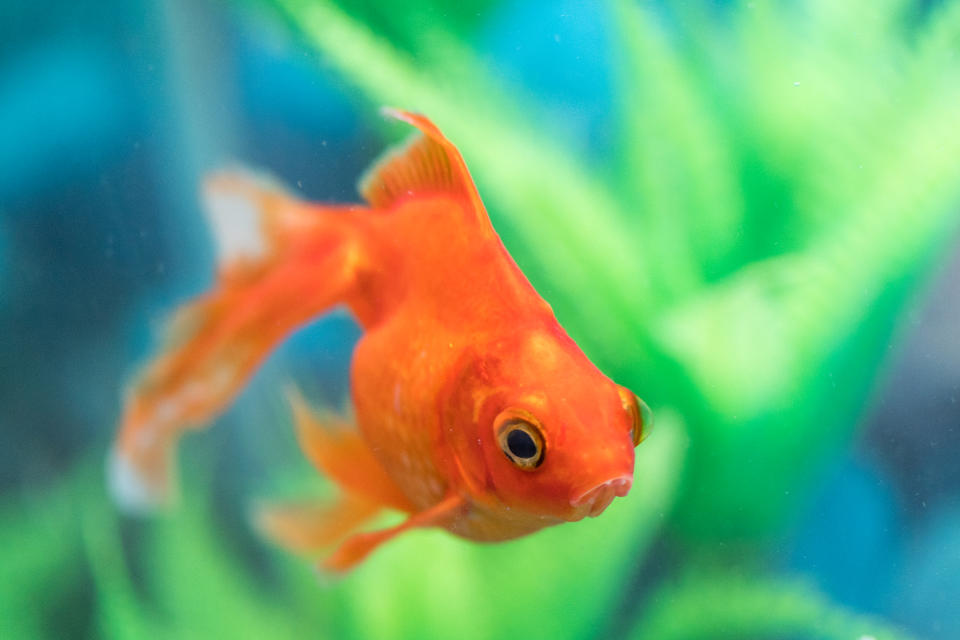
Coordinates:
(717, 604)
(187, 579)
(788, 176)
(420, 21)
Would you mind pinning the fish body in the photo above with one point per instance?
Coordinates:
(474, 411)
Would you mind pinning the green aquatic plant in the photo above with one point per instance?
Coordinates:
(781, 190)
(190, 580)
(787, 178)
(718, 604)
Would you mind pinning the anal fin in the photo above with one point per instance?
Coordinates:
(338, 451)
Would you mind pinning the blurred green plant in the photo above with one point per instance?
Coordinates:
(787, 179)
(717, 604)
(416, 27)
(188, 579)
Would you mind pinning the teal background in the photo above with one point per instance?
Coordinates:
(744, 211)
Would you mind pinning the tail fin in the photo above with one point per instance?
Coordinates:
(281, 263)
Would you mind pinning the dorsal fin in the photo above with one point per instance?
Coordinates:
(427, 163)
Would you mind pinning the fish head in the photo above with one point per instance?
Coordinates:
(554, 437)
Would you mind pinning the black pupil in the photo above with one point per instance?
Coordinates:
(521, 444)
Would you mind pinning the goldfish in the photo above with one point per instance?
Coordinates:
(472, 409)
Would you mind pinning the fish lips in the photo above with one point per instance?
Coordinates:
(595, 499)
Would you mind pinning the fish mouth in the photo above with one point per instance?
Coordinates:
(593, 501)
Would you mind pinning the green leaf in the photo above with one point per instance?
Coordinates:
(677, 166)
(716, 605)
(40, 543)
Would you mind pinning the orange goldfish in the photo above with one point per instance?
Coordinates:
(473, 409)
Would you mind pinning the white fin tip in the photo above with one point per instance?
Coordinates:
(235, 220)
(129, 488)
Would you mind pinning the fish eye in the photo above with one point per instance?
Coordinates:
(520, 438)
(641, 417)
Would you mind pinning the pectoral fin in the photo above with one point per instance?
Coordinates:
(311, 527)
(357, 547)
(340, 453)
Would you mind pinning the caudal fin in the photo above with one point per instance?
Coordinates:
(281, 262)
